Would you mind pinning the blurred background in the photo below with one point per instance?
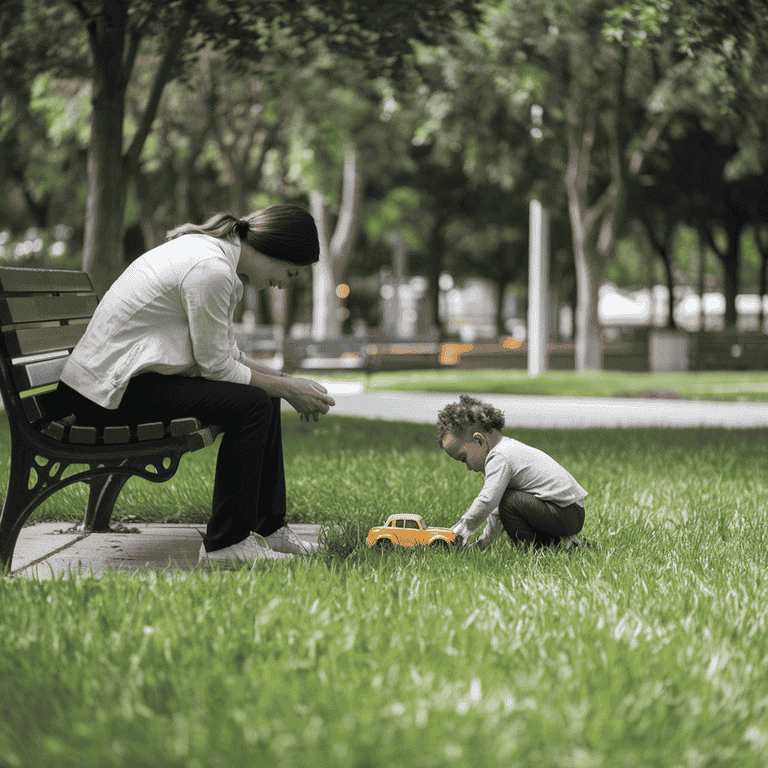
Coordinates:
(418, 135)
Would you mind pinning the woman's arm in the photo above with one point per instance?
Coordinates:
(255, 365)
(307, 397)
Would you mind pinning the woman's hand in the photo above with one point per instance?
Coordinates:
(309, 398)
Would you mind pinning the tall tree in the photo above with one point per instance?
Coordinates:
(115, 30)
(609, 92)
(601, 89)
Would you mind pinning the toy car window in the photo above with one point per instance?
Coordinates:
(411, 524)
(391, 524)
(399, 523)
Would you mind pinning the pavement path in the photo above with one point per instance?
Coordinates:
(551, 412)
(50, 550)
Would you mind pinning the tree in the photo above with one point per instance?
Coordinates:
(729, 44)
(42, 155)
(602, 89)
(609, 88)
(115, 30)
(469, 164)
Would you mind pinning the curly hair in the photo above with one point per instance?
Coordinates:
(467, 416)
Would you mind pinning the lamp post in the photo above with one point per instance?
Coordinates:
(538, 272)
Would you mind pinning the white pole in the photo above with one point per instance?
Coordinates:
(538, 289)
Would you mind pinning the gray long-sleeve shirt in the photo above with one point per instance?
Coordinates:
(512, 464)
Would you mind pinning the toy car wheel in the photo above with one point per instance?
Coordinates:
(384, 544)
(439, 544)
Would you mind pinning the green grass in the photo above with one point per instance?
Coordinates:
(723, 385)
(648, 650)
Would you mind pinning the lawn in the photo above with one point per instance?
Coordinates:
(720, 385)
(647, 650)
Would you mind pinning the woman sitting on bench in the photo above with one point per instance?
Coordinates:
(161, 346)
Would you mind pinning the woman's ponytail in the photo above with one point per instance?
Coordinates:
(219, 225)
(285, 232)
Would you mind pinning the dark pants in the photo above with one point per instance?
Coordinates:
(528, 520)
(249, 487)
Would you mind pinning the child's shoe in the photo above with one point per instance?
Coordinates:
(286, 540)
(249, 550)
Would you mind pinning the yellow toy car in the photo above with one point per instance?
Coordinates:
(409, 531)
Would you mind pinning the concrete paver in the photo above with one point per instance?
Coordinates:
(48, 550)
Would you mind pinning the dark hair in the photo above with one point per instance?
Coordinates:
(467, 416)
(285, 232)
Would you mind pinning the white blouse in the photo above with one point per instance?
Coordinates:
(170, 312)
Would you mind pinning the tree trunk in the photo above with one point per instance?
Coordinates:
(589, 348)
(501, 320)
(265, 310)
(105, 201)
(731, 270)
(325, 304)
(665, 258)
(581, 120)
(436, 249)
(763, 285)
(335, 252)
(729, 258)
(663, 244)
(702, 278)
(109, 170)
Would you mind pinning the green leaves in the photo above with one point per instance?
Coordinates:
(64, 106)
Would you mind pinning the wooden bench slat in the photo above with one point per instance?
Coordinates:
(202, 438)
(57, 429)
(31, 341)
(35, 309)
(117, 435)
(38, 374)
(83, 435)
(198, 436)
(152, 431)
(25, 280)
(185, 426)
(32, 410)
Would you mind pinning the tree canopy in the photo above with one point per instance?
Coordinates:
(122, 118)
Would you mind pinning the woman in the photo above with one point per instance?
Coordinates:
(161, 346)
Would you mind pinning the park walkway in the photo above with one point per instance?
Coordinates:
(552, 412)
(49, 550)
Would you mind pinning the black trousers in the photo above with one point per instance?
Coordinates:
(249, 486)
(528, 520)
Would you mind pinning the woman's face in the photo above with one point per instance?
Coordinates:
(265, 272)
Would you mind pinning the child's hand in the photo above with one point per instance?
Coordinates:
(462, 534)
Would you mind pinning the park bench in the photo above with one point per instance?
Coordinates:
(43, 314)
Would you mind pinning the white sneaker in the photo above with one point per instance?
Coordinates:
(286, 540)
(247, 551)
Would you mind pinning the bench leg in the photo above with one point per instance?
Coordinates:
(21, 500)
(15, 512)
(101, 501)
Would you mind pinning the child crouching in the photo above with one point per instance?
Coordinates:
(535, 500)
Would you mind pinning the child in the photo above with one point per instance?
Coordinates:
(526, 491)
